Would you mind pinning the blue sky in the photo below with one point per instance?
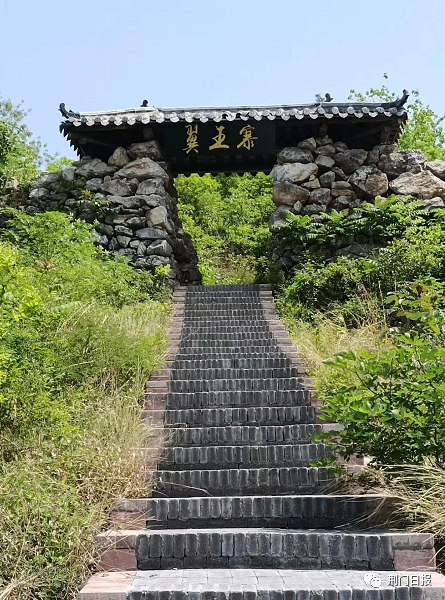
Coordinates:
(100, 55)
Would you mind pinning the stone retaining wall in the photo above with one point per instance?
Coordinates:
(319, 175)
(131, 199)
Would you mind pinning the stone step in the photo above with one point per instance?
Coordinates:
(243, 457)
(235, 385)
(234, 363)
(232, 352)
(221, 417)
(207, 314)
(243, 435)
(228, 321)
(220, 337)
(236, 399)
(227, 300)
(206, 347)
(294, 512)
(203, 289)
(264, 584)
(242, 482)
(233, 374)
(214, 329)
(272, 548)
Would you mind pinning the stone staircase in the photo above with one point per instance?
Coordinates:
(239, 512)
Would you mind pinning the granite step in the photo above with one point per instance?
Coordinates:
(238, 330)
(294, 512)
(234, 398)
(271, 548)
(193, 374)
(233, 363)
(235, 385)
(264, 584)
(242, 482)
(239, 337)
(206, 347)
(238, 287)
(221, 417)
(206, 314)
(241, 435)
(268, 351)
(242, 457)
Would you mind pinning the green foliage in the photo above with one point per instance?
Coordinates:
(227, 218)
(20, 156)
(59, 163)
(423, 129)
(382, 220)
(79, 335)
(392, 403)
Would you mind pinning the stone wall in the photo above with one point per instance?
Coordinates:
(133, 200)
(319, 175)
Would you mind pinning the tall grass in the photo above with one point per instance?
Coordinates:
(57, 494)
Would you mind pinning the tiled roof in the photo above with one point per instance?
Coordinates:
(149, 114)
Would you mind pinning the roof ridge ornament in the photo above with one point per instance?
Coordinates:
(68, 113)
(399, 102)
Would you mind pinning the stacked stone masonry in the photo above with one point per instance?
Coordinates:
(131, 199)
(240, 510)
(318, 176)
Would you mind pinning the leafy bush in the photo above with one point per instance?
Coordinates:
(79, 335)
(392, 403)
(227, 218)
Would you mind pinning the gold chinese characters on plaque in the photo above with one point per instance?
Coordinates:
(247, 140)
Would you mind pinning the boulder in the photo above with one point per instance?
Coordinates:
(123, 240)
(150, 149)
(118, 187)
(119, 158)
(340, 146)
(342, 203)
(294, 155)
(341, 188)
(340, 175)
(278, 218)
(46, 180)
(101, 240)
(369, 182)
(142, 168)
(294, 172)
(69, 174)
(125, 202)
(156, 261)
(149, 233)
(327, 179)
(94, 185)
(313, 209)
(308, 144)
(104, 229)
(39, 194)
(312, 184)
(297, 208)
(419, 185)
(373, 157)
(94, 168)
(320, 196)
(406, 161)
(289, 193)
(437, 168)
(350, 160)
(433, 203)
(324, 163)
(160, 247)
(151, 186)
(327, 150)
(135, 222)
(158, 217)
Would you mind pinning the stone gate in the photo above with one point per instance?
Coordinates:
(322, 156)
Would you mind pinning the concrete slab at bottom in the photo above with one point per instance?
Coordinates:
(265, 584)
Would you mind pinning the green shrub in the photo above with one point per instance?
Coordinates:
(392, 403)
(227, 218)
(79, 335)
